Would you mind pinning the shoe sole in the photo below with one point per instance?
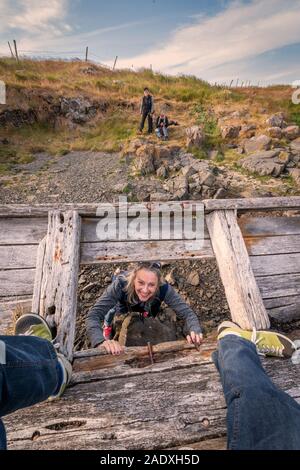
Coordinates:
(22, 326)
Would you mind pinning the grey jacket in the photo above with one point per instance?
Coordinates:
(113, 295)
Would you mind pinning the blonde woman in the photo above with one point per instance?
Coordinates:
(140, 290)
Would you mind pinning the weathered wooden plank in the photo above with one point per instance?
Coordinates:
(111, 252)
(281, 285)
(22, 231)
(57, 277)
(269, 226)
(16, 282)
(275, 264)
(18, 257)
(94, 209)
(147, 411)
(218, 443)
(273, 245)
(89, 231)
(243, 297)
(284, 309)
(258, 203)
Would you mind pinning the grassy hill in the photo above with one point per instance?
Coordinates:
(40, 85)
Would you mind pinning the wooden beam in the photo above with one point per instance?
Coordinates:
(57, 276)
(243, 296)
(112, 252)
(259, 203)
(16, 282)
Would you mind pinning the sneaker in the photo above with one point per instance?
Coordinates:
(66, 376)
(34, 325)
(31, 324)
(107, 332)
(268, 343)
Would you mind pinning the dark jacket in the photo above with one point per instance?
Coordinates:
(115, 294)
(147, 104)
(165, 121)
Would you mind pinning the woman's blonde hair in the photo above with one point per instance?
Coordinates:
(130, 278)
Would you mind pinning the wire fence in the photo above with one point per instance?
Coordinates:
(88, 56)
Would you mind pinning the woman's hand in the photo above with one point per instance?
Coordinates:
(112, 347)
(195, 338)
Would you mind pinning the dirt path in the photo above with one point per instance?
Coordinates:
(75, 177)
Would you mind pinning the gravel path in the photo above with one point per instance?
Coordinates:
(75, 177)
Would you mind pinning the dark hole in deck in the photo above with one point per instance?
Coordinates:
(65, 425)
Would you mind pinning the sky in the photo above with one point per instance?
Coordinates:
(216, 40)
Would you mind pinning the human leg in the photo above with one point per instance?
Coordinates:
(142, 123)
(29, 374)
(165, 132)
(259, 415)
(150, 123)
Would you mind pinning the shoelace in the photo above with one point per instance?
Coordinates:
(262, 350)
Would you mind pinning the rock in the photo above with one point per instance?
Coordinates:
(17, 117)
(220, 194)
(193, 279)
(78, 110)
(261, 142)
(170, 278)
(291, 132)
(162, 172)
(230, 132)
(195, 137)
(295, 173)
(295, 145)
(276, 120)
(145, 160)
(159, 196)
(266, 163)
(160, 153)
(248, 131)
(275, 132)
(208, 179)
(188, 171)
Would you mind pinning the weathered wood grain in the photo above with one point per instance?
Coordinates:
(269, 226)
(273, 245)
(243, 296)
(167, 409)
(258, 203)
(275, 264)
(280, 285)
(57, 276)
(18, 256)
(22, 231)
(16, 282)
(111, 252)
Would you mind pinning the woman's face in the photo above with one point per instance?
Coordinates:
(145, 284)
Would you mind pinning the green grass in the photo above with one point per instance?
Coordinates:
(213, 138)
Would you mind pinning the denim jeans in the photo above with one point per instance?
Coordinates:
(162, 132)
(259, 415)
(29, 373)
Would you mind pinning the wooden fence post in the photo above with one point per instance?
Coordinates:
(86, 53)
(12, 54)
(16, 51)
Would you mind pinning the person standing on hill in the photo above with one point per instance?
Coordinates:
(147, 111)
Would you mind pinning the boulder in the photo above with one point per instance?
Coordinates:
(248, 131)
(195, 137)
(162, 172)
(230, 132)
(188, 171)
(261, 142)
(295, 145)
(145, 160)
(159, 196)
(78, 110)
(265, 163)
(276, 120)
(291, 132)
(295, 173)
(193, 278)
(275, 132)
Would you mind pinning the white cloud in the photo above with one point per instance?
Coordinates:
(34, 16)
(240, 32)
